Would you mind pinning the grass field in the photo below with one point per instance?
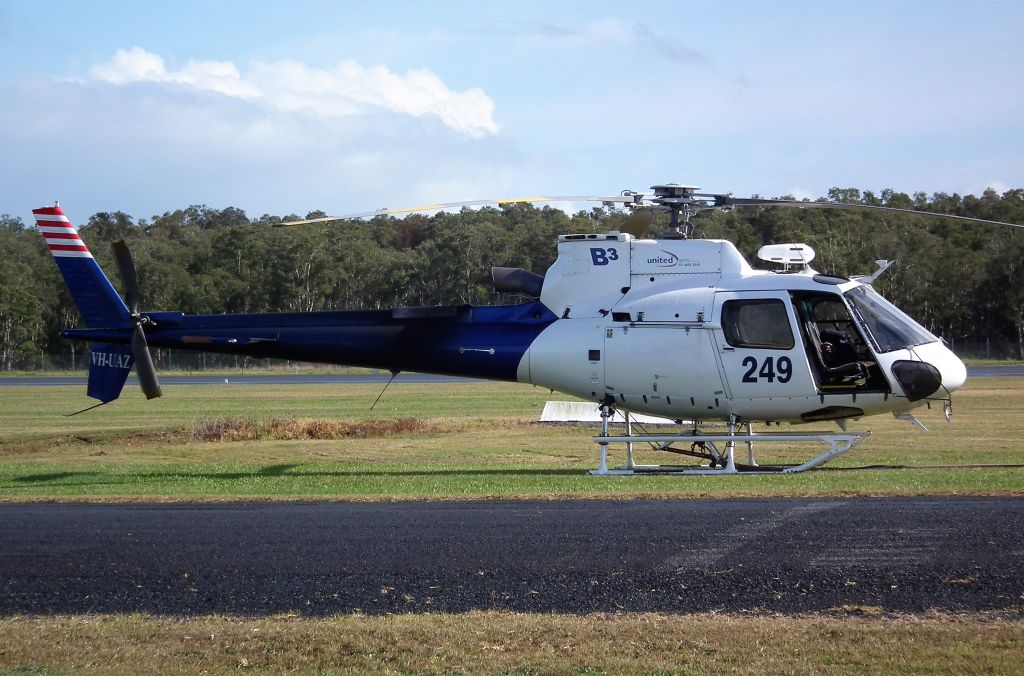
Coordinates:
(457, 441)
(454, 440)
(509, 643)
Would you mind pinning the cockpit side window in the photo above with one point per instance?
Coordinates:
(887, 326)
(762, 324)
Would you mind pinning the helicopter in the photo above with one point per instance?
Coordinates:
(676, 327)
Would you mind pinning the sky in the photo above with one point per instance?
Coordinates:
(291, 107)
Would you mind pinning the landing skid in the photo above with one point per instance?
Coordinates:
(705, 446)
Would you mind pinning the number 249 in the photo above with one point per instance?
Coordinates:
(770, 370)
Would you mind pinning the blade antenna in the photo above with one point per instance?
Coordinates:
(68, 415)
(390, 380)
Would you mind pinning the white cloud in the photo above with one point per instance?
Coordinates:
(345, 90)
(140, 135)
(138, 65)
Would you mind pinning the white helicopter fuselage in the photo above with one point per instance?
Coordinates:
(687, 329)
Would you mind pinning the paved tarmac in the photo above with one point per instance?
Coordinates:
(784, 555)
(994, 371)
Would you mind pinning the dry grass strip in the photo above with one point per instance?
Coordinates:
(502, 642)
(289, 429)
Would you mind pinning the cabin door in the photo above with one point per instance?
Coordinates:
(759, 350)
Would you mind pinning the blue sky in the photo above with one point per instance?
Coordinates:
(290, 107)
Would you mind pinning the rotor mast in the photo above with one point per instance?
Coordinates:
(679, 200)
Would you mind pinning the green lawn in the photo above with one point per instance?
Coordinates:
(453, 440)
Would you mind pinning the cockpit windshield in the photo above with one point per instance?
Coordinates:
(889, 328)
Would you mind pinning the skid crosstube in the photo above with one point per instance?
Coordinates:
(837, 443)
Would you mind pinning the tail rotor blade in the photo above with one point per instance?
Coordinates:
(144, 365)
(140, 348)
(129, 275)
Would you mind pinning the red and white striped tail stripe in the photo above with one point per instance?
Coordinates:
(60, 235)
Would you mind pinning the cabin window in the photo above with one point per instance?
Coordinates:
(888, 327)
(762, 324)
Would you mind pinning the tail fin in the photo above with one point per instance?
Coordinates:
(97, 301)
(108, 369)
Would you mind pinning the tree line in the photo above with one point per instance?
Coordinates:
(963, 281)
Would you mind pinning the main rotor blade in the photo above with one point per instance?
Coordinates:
(144, 368)
(622, 199)
(722, 201)
(129, 275)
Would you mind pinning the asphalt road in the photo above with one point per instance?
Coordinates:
(995, 371)
(678, 556)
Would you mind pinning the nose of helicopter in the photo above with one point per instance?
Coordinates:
(935, 370)
(953, 370)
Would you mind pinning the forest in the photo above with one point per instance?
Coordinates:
(963, 281)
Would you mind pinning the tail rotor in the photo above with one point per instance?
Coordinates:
(144, 368)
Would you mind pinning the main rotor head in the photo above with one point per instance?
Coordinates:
(681, 201)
